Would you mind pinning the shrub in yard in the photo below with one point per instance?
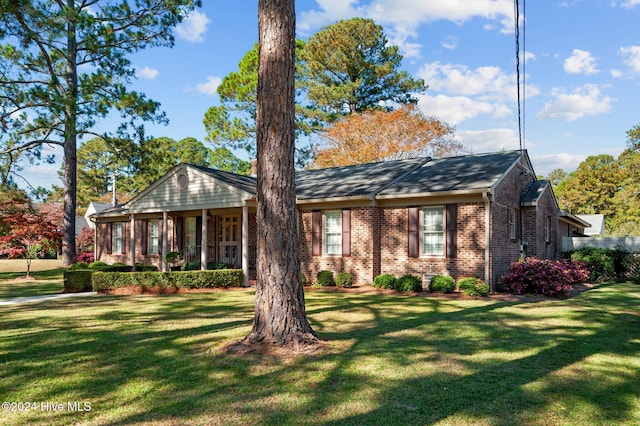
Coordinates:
(97, 264)
(442, 284)
(79, 265)
(408, 284)
(473, 286)
(604, 264)
(303, 279)
(344, 280)
(544, 276)
(384, 281)
(86, 257)
(221, 278)
(76, 281)
(325, 278)
(141, 267)
(212, 266)
(190, 266)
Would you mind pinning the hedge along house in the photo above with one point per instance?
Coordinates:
(464, 216)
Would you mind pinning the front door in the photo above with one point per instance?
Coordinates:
(230, 241)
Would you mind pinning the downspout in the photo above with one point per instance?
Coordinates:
(487, 240)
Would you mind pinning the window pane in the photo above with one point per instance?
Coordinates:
(190, 235)
(153, 237)
(117, 238)
(332, 240)
(433, 231)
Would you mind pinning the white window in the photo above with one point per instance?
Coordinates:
(190, 232)
(512, 223)
(153, 234)
(433, 231)
(117, 238)
(332, 233)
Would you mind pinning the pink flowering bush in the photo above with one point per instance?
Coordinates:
(543, 276)
(86, 257)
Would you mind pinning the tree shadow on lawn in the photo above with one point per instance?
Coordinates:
(389, 360)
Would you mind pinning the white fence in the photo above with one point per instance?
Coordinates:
(631, 244)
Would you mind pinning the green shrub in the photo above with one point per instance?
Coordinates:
(141, 267)
(384, 281)
(408, 284)
(473, 287)
(442, 284)
(97, 264)
(212, 266)
(76, 281)
(221, 278)
(604, 264)
(172, 257)
(79, 265)
(190, 266)
(316, 285)
(344, 280)
(325, 278)
(303, 279)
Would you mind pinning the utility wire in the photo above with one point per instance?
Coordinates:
(520, 93)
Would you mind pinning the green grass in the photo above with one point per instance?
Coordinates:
(46, 278)
(388, 360)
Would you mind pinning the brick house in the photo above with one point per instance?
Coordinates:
(469, 215)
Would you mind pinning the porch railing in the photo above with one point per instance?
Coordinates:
(229, 254)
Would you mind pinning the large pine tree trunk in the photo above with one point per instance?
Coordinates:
(280, 316)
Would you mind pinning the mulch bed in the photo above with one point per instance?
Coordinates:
(576, 289)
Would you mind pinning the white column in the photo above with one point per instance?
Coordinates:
(204, 244)
(165, 241)
(244, 247)
(132, 241)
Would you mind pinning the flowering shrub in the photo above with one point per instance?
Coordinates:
(86, 257)
(543, 276)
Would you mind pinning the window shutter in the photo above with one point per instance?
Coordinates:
(180, 233)
(346, 233)
(316, 232)
(109, 238)
(414, 234)
(145, 232)
(451, 230)
(198, 230)
(125, 237)
(160, 237)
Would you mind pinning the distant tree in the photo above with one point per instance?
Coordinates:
(280, 317)
(633, 137)
(12, 201)
(30, 237)
(625, 221)
(350, 67)
(591, 188)
(85, 240)
(380, 135)
(64, 67)
(556, 176)
(346, 67)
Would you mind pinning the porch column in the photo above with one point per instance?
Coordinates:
(132, 241)
(204, 245)
(245, 246)
(165, 243)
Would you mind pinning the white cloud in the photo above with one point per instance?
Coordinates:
(210, 87)
(632, 56)
(583, 102)
(546, 163)
(629, 4)
(401, 18)
(450, 43)
(455, 109)
(488, 140)
(580, 62)
(194, 27)
(616, 73)
(147, 73)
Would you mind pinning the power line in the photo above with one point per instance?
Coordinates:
(520, 88)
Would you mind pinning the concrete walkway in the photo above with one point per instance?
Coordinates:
(18, 300)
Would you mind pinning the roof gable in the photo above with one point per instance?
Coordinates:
(188, 187)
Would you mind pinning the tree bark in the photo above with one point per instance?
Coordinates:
(70, 148)
(280, 315)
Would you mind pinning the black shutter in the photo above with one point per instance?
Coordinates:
(451, 230)
(413, 231)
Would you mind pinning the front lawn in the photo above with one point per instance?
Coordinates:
(158, 360)
(46, 278)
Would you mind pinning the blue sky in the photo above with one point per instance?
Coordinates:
(581, 65)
